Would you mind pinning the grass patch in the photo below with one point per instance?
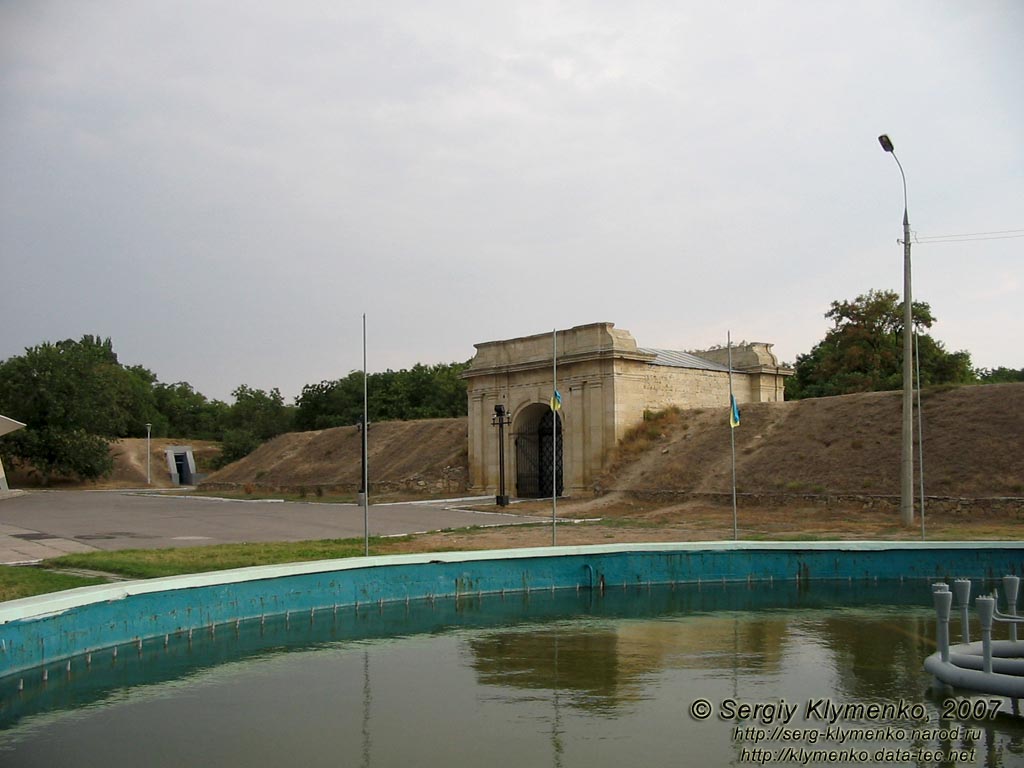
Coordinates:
(153, 563)
(640, 438)
(783, 537)
(627, 522)
(26, 581)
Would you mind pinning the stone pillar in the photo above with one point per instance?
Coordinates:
(476, 436)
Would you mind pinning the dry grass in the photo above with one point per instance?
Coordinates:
(424, 455)
(849, 444)
(636, 522)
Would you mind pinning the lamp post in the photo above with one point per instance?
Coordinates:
(149, 454)
(907, 455)
(501, 419)
(360, 428)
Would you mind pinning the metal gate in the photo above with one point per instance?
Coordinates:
(535, 454)
(527, 462)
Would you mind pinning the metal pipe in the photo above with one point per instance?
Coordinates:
(1011, 588)
(986, 607)
(943, 600)
(920, 429)
(962, 590)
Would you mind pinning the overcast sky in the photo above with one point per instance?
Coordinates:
(223, 188)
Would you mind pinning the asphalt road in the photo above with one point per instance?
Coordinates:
(44, 524)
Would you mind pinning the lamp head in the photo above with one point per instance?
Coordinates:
(499, 410)
(886, 143)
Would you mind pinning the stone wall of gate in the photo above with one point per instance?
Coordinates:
(587, 414)
(606, 383)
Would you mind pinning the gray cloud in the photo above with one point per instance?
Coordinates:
(225, 189)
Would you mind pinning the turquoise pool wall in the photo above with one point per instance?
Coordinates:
(44, 630)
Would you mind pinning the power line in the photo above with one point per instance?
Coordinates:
(1006, 234)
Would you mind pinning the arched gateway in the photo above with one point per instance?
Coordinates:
(537, 436)
(606, 382)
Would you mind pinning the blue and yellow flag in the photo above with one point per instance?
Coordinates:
(556, 401)
(734, 413)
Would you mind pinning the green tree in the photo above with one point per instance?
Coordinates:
(60, 452)
(863, 351)
(237, 444)
(421, 392)
(187, 413)
(264, 414)
(254, 417)
(73, 396)
(1000, 375)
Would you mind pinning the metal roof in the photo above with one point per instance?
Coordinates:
(675, 359)
(9, 425)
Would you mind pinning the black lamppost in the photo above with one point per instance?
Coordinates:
(500, 419)
(363, 490)
(907, 454)
(149, 453)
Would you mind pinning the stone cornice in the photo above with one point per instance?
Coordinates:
(583, 343)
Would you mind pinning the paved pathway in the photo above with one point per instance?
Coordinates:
(43, 524)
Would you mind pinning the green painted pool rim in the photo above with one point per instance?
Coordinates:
(45, 629)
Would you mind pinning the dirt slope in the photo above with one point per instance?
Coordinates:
(426, 456)
(973, 446)
(129, 457)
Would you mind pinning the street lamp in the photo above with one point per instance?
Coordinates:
(907, 456)
(501, 419)
(149, 454)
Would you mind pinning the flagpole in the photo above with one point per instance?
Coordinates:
(732, 437)
(554, 434)
(920, 434)
(366, 469)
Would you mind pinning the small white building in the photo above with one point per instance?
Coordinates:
(6, 426)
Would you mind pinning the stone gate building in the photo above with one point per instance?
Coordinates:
(606, 382)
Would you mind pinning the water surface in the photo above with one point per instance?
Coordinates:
(561, 679)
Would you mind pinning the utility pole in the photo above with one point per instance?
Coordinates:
(907, 454)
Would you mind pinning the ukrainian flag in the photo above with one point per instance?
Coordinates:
(734, 413)
(556, 401)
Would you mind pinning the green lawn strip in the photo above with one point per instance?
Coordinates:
(153, 563)
(18, 581)
(617, 522)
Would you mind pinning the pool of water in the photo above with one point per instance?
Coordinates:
(560, 678)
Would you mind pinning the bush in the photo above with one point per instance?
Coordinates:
(237, 444)
(72, 453)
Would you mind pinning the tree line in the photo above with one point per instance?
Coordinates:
(75, 397)
(863, 352)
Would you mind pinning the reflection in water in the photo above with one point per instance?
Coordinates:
(600, 665)
(870, 663)
(565, 679)
(367, 698)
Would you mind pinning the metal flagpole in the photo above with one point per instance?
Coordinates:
(366, 468)
(920, 435)
(554, 433)
(732, 437)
